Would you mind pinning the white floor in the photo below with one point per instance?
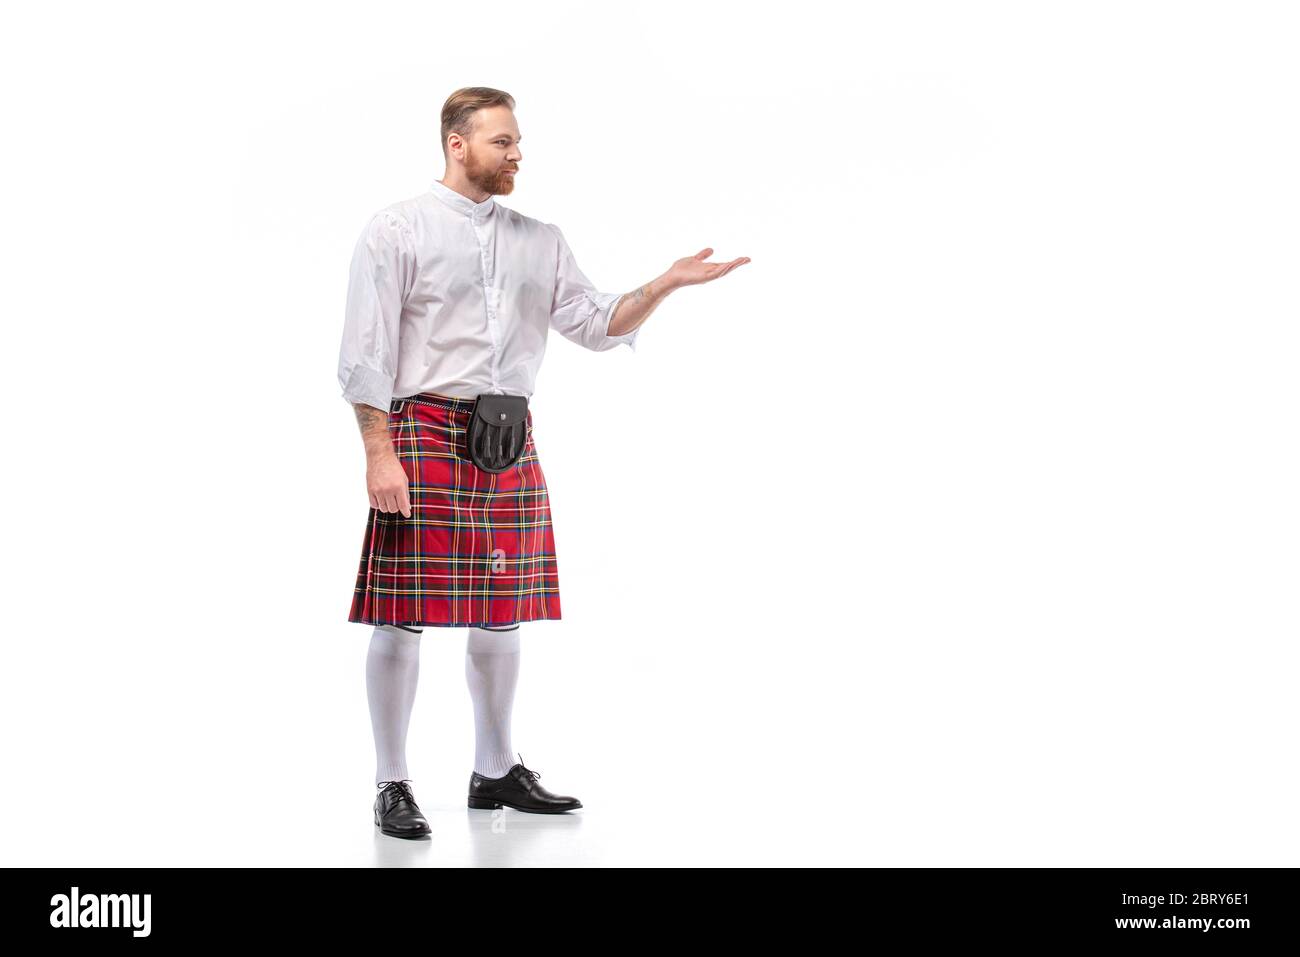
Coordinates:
(294, 826)
(732, 743)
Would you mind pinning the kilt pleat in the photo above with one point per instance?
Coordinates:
(478, 549)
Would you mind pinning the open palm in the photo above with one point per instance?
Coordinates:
(693, 269)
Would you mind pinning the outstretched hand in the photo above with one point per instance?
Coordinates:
(694, 270)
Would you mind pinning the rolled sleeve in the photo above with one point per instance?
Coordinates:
(579, 311)
(380, 278)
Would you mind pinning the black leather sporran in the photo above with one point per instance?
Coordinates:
(498, 431)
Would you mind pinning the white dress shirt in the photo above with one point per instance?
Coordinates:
(451, 296)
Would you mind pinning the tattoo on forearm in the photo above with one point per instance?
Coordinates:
(370, 419)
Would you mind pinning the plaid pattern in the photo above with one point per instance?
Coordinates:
(478, 548)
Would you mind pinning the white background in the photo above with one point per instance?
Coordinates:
(957, 528)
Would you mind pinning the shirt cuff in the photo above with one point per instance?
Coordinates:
(628, 337)
(369, 387)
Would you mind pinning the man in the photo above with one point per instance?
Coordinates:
(450, 299)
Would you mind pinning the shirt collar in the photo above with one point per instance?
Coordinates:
(463, 204)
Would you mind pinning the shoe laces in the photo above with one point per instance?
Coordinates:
(403, 791)
(536, 774)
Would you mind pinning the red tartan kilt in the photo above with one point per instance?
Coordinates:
(478, 548)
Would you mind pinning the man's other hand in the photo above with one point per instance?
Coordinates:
(387, 484)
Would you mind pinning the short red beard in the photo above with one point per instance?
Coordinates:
(493, 181)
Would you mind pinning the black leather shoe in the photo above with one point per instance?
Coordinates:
(396, 812)
(517, 788)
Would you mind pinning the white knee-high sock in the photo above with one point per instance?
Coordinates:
(392, 668)
(492, 671)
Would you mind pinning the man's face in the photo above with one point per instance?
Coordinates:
(492, 151)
